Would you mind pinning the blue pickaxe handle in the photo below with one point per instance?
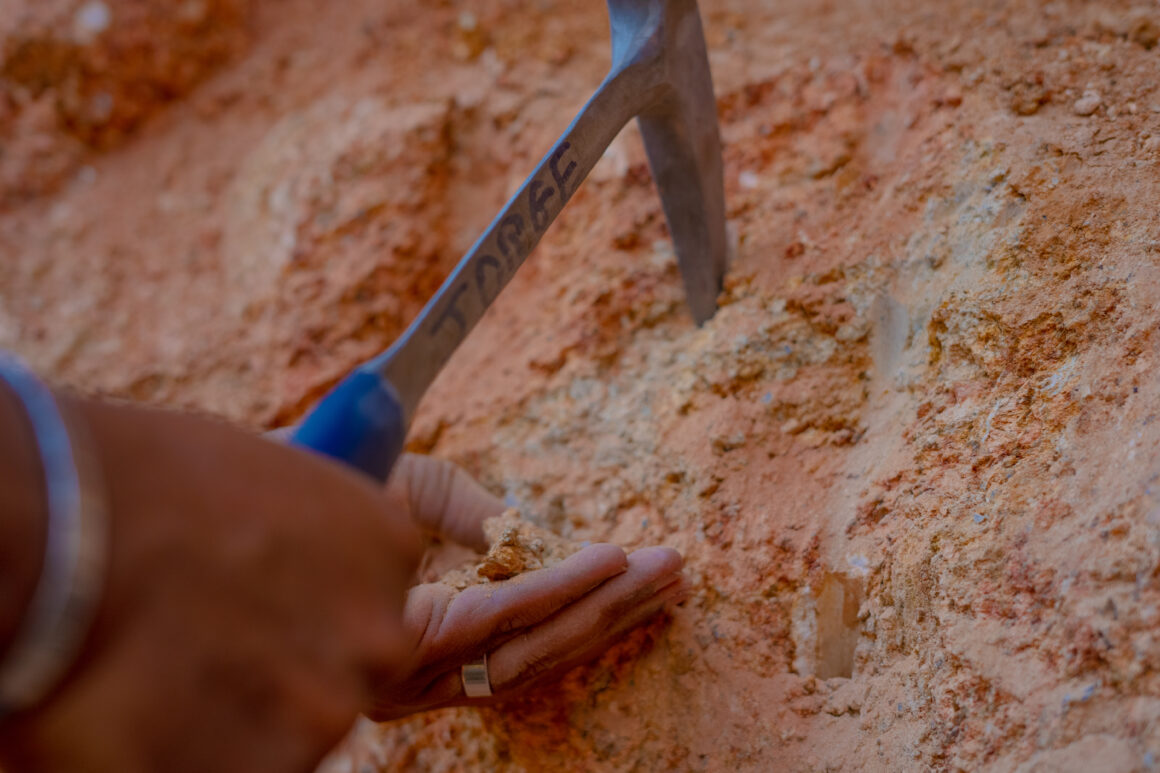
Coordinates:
(364, 420)
(660, 73)
(361, 422)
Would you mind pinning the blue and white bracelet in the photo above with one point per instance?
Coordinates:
(66, 596)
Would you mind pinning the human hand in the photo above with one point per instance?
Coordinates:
(254, 592)
(534, 627)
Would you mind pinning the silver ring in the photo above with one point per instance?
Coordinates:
(476, 683)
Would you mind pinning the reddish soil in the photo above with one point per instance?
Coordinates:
(913, 460)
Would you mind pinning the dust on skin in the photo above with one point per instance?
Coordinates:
(911, 462)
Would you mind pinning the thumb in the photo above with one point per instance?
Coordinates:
(443, 499)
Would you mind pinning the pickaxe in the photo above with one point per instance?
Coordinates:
(659, 75)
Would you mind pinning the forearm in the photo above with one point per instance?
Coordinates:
(251, 590)
(22, 516)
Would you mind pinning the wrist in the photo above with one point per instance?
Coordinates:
(23, 506)
(57, 617)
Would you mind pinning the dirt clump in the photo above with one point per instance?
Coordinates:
(515, 546)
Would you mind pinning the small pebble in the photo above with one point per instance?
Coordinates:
(1087, 104)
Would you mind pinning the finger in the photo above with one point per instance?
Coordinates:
(442, 683)
(652, 579)
(556, 666)
(448, 629)
(668, 597)
(643, 614)
(443, 499)
(467, 624)
(447, 690)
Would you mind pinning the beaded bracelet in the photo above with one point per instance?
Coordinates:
(67, 592)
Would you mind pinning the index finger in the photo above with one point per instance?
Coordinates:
(472, 621)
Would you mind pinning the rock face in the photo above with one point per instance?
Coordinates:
(912, 460)
(82, 73)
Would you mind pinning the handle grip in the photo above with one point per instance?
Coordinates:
(360, 422)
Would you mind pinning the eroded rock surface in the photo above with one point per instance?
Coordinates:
(76, 74)
(912, 460)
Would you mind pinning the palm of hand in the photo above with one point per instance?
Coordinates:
(533, 627)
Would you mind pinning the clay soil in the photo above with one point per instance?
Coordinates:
(914, 460)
